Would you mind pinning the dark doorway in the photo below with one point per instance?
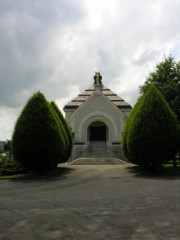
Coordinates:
(97, 131)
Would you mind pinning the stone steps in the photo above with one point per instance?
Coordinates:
(96, 161)
(97, 149)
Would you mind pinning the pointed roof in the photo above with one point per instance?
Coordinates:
(81, 98)
(113, 97)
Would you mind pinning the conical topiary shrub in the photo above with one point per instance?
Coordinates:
(36, 143)
(152, 136)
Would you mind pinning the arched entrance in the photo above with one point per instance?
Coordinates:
(98, 131)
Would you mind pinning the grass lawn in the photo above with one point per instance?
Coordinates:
(170, 164)
(12, 176)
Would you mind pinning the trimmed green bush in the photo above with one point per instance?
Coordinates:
(65, 131)
(151, 136)
(10, 168)
(36, 139)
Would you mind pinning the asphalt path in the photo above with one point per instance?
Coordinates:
(91, 202)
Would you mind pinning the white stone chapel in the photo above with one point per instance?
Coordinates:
(97, 117)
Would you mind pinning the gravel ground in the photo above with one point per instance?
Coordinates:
(91, 202)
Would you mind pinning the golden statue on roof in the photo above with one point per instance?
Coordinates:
(97, 78)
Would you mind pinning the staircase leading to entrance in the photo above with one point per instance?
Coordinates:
(97, 149)
(96, 154)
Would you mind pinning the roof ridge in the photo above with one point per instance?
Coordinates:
(82, 97)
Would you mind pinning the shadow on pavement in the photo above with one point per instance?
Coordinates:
(169, 174)
(56, 174)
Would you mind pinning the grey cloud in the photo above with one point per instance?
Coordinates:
(46, 11)
(26, 29)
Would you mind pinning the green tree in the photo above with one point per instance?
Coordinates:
(166, 77)
(36, 139)
(151, 136)
(66, 131)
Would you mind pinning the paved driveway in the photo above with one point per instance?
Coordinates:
(91, 202)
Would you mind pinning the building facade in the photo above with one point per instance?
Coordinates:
(97, 117)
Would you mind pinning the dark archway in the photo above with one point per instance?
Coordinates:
(97, 131)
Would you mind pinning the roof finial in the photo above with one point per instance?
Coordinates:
(97, 78)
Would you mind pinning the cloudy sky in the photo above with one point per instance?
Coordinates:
(55, 46)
